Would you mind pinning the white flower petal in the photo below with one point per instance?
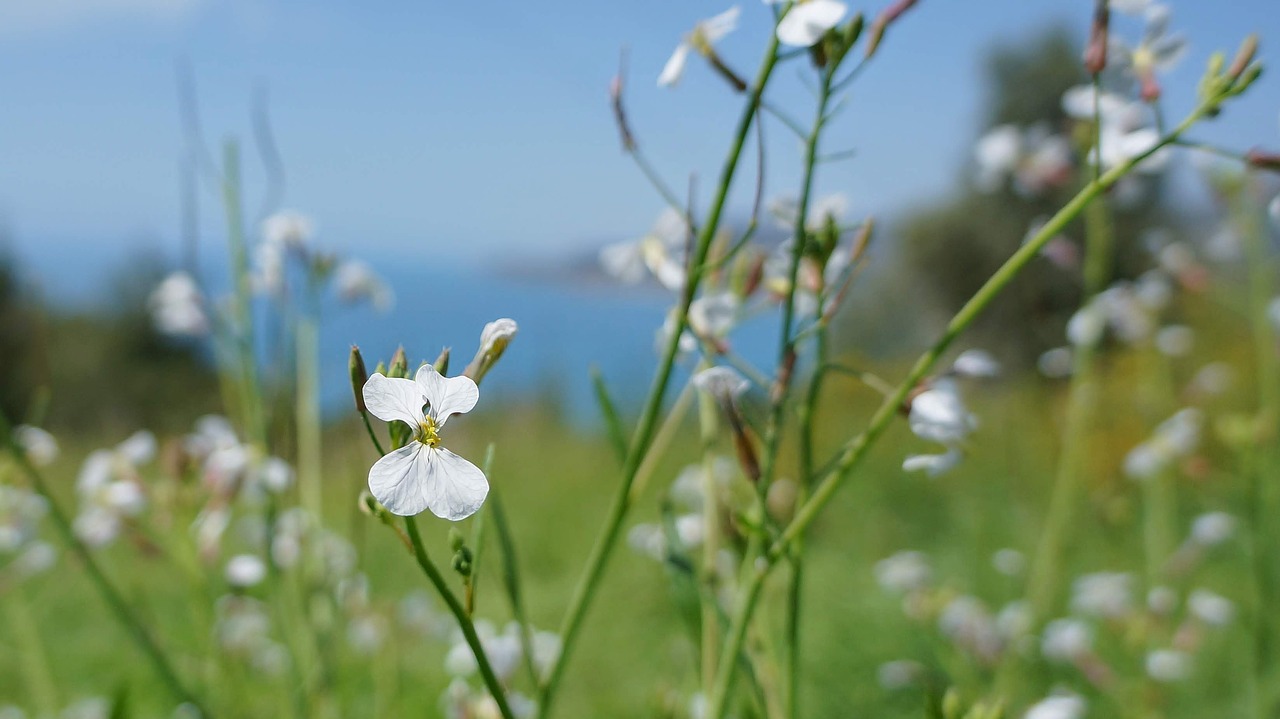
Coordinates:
(394, 398)
(807, 22)
(396, 479)
(446, 395)
(453, 488)
(714, 28)
(674, 69)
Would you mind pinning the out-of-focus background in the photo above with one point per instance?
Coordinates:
(467, 153)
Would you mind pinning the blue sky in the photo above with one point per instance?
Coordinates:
(454, 131)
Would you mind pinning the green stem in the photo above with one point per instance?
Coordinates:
(585, 590)
(112, 596)
(242, 326)
(35, 662)
(460, 613)
(307, 414)
(856, 449)
(1082, 399)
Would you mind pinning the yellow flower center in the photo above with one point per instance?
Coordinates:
(427, 432)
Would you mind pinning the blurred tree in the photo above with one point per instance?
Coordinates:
(112, 373)
(951, 247)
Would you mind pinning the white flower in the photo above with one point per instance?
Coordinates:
(288, 228)
(1086, 326)
(714, 315)
(1103, 594)
(40, 447)
(177, 307)
(997, 154)
(494, 339)
(1066, 640)
(1158, 50)
(245, 570)
(1066, 706)
(1009, 562)
(355, 281)
(422, 475)
(899, 674)
(1162, 600)
(976, 363)
(1175, 340)
(808, 20)
(1212, 528)
(1210, 608)
(705, 34)
(1273, 312)
(1274, 209)
(906, 571)
(1168, 665)
(20, 515)
(938, 414)
(661, 252)
(1055, 363)
(1131, 7)
(1174, 439)
(724, 383)
(933, 464)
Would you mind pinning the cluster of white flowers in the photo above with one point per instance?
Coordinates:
(22, 551)
(1034, 159)
(178, 307)
(1173, 440)
(505, 651)
(111, 490)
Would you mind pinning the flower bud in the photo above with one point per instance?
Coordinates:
(1263, 160)
(456, 540)
(1095, 54)
(359, 375)
(493, 342)
(442, 362)
(1244, 57)
(399, 364)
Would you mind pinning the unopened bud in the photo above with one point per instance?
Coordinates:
(442, 361)
(875, 36)
(399, 364)
(862, 240)
(616, 87)
(493, 342)
(381, 369)
(1263, 160)
(462, 562)
(456, 540)
(751, 269)
(882, 21)
(725, 71)
(1244, 57)
(368, 505)
(1095, 53)
(1150, 87)
(783, 380)
(359, 375)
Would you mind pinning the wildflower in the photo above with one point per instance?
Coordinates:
(355, 281)
(40, 447)
(1162, 600)
(366, 633)
(723, 383)
(1064, 706)
(1210, 608)
(975, 363)
(1175, 340)
(705, 34)
(245, 570)
(808, 20)
(110, 488)
(1174, 439)
(1168, 665)
(938, 414)
(20, 514)
(906, 571)
(1158, 51)
(1212, 528)
(289, 229)
(933, 465)
(966, 621)
(660, 252)
(899, 674)
(422, 475)
(1066, 640)
(1009, 562)
(1103, 594)
(177, 307)
(713, 316)
(1014, 620)
(1035, 159)
(494, 339)
(503, 650)
(1086, 326)
(1055, 363)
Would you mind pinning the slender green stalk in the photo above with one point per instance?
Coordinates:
(116, 602)
(511, 580)
(35, 662)
(372, 436)
(856, 449)
(1081, 402)
(460, 613)
(307, 413)
(709, 421)
(1264, 458)
(585, 591)
(242, 326)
